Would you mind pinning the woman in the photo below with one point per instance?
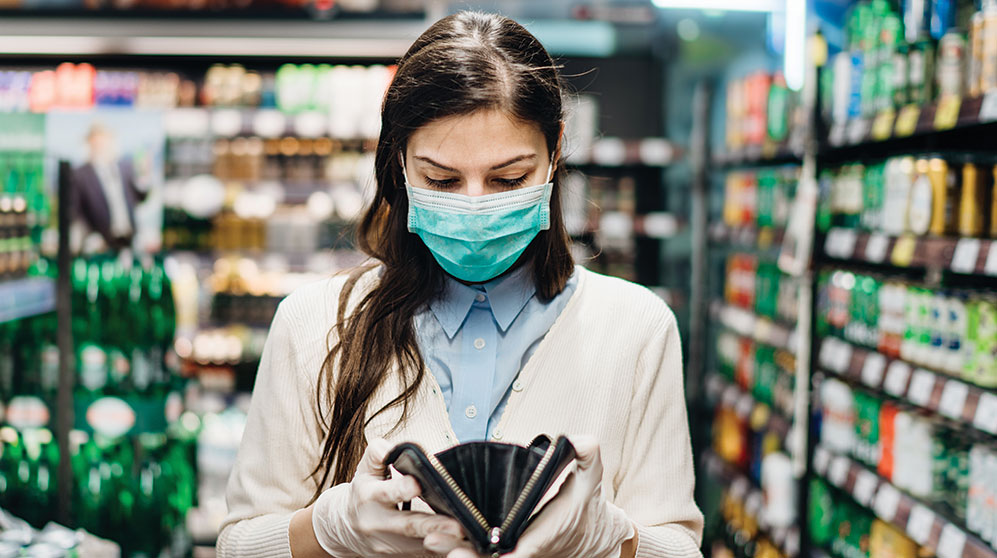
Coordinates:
(474, 324)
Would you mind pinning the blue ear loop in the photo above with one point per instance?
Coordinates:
(477, 238)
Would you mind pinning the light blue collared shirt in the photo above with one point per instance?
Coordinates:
(476, 338)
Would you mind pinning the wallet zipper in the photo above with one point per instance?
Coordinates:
(494, 533)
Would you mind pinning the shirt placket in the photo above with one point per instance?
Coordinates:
(472, 387)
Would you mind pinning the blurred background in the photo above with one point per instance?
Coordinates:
(810, 184)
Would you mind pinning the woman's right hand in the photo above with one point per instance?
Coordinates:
(361, 518)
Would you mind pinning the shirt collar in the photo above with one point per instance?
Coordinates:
(507, 296)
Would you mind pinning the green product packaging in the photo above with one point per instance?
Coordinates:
(821, 517)
(867, 409)
(766, 198)
(766, 375)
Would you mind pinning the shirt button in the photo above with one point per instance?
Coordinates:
(471, 411)
(479, 343)
(517, 386)
(480, 297)
(497, 435)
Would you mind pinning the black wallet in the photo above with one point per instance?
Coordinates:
(492, 489)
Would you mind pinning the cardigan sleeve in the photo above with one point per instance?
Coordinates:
(272, 477)
(656, 482)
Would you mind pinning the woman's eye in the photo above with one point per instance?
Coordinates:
(512, 182)
(443, 183)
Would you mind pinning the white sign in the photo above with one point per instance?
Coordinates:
(865, 487)
(872, 369)
(896, 378)
(919, 523)
(953, 399)
(839, 471)
(986, 413)
(877, 247)
(966, 253)
(921, 386)
(952, 542)
(887, 501)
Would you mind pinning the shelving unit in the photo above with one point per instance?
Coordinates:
(921, 522)
(966, 256)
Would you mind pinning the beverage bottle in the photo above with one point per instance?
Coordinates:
(92, 357)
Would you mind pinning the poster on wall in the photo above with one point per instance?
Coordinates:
(116, 180)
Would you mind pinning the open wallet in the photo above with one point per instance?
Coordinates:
(491, 488)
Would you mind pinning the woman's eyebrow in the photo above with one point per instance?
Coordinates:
(496, 167)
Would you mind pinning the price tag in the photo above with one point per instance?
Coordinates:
(876, 247)
(952, 542)
(837, 134)
(986, 413)
(903, 251)
(865, 487)
(953, 399)
(896, 378)
(882, 126)
(919, 523)
(872, 369)
(966, 252)
(921, 386)
(857, 129)
(907, 120)
(226, 122)
(947, 113)
(887, 501)
(827, 350)
(841, 358)
(821, 458)
(988, 109)
(838, 473)
(269, 123)
(991, 267)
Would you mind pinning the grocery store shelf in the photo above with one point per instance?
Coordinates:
(761, 329)
(757, 156)
(894, 127)
(743, 489)
(757, 238)
(922, 523)
(613, 152)
(384, 40)
(965, 403)
(967, 256)
(728, 394)
(23, 298)
(265, 122)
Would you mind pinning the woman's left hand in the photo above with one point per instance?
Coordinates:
(578, 521)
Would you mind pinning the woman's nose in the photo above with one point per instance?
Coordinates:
(475, 188)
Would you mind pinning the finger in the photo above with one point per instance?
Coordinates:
(419, 525)
(443, 543)
(391, 491)
(372, 462)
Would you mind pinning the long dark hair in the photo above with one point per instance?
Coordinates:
(463, 63)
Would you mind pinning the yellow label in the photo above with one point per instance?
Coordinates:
(882, 127)
(947, 113)
(907, 120)
(903, 251)
(769, 149)
(765, 238)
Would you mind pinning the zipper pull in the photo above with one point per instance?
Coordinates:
(494, 538)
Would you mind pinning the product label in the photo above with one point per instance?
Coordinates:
(49, 367)
(110, 416)
(865, 487)
(907, 121)
(26, 412)
(93, 367)
(838, 472)
(882, 126)
(947, 113)
(988, 109)
(991, 266)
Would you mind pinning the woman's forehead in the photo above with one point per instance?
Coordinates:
(480, 139)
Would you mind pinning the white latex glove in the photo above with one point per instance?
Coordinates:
(361, 517)
(578, 521)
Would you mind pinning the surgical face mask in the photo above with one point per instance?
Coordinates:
(477, 238)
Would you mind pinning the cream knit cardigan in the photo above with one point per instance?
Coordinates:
(610, 366)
